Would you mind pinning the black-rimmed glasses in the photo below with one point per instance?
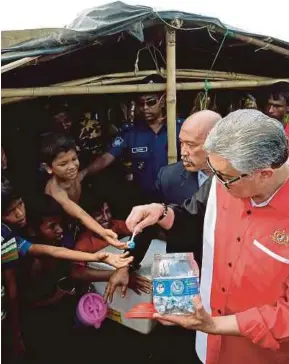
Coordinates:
(220, 177)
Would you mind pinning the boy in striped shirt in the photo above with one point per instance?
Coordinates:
(9, 296)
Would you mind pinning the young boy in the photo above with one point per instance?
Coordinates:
(9, 293)
(60, 160)
(13, 216)
(46, 222)
(40, 276)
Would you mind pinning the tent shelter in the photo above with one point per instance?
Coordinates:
(109, 49)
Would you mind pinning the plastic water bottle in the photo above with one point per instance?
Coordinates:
(175, 283)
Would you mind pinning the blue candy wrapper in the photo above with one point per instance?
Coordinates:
(131, 244)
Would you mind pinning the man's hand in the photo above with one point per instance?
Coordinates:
(118, 260)
(144, 216)
(200, 320)
(120, 278)
(111, 237)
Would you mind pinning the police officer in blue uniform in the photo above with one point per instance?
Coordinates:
(145, 142)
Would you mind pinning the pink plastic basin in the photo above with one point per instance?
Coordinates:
(91, 310)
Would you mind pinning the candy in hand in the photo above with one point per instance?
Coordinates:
(131, 244)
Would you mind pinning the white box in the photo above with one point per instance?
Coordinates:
(119, 306)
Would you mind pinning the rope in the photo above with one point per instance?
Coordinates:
(207, 85)
(210, 34)
(153, 57)
(178, 28)
(160, 53)
(221, 46)
(269, 40)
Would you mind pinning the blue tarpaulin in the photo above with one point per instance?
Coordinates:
(110, 19)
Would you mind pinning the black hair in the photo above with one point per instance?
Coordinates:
(152, 79)
(8, 194)
(41, 208)
(277, 94)
(53, 144)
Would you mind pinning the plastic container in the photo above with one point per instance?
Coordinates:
(175, 283)
(91, 310)
(141, 311)
(120, 306)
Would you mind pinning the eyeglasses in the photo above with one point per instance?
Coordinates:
(220, 177)
(150, 102)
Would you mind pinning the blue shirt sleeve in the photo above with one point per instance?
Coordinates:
(23, 246)
(119, 145)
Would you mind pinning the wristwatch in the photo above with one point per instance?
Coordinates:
(165, 211)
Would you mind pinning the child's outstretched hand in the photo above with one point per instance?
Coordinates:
(118, 260)
(111, 237)
(115, 260)
(100, 256)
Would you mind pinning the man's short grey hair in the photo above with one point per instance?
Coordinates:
(250, 140)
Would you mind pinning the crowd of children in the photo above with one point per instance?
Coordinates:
(36, 244)
(69, 221)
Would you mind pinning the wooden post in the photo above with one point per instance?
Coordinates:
(259, 43)
(16, 64)
(171, 94)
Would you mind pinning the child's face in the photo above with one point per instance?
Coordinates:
(65, 166)
(104, 217)
(63, 122)
(15, 214)
(51, 229)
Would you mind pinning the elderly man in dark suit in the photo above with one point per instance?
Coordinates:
(180, 181)
(185, 184)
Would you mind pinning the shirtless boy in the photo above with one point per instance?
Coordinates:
(60, 160)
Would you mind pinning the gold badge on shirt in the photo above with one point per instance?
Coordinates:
(280, 237)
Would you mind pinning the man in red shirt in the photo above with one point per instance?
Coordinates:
(278, 108)
(243, 314)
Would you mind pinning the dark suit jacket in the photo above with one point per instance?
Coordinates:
(174, 184)
(186, 234)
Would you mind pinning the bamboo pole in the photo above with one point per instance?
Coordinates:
(117, 80)
(83, 81)
(171, 98)
(132, 76)
(10, 100)
(122, 89)
(254, 41)
(18, 63)
(221, 74)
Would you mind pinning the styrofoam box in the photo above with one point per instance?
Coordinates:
(120, 306)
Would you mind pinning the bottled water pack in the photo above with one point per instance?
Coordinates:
(175, 283)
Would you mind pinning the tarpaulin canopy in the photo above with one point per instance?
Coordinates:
(110, 19)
